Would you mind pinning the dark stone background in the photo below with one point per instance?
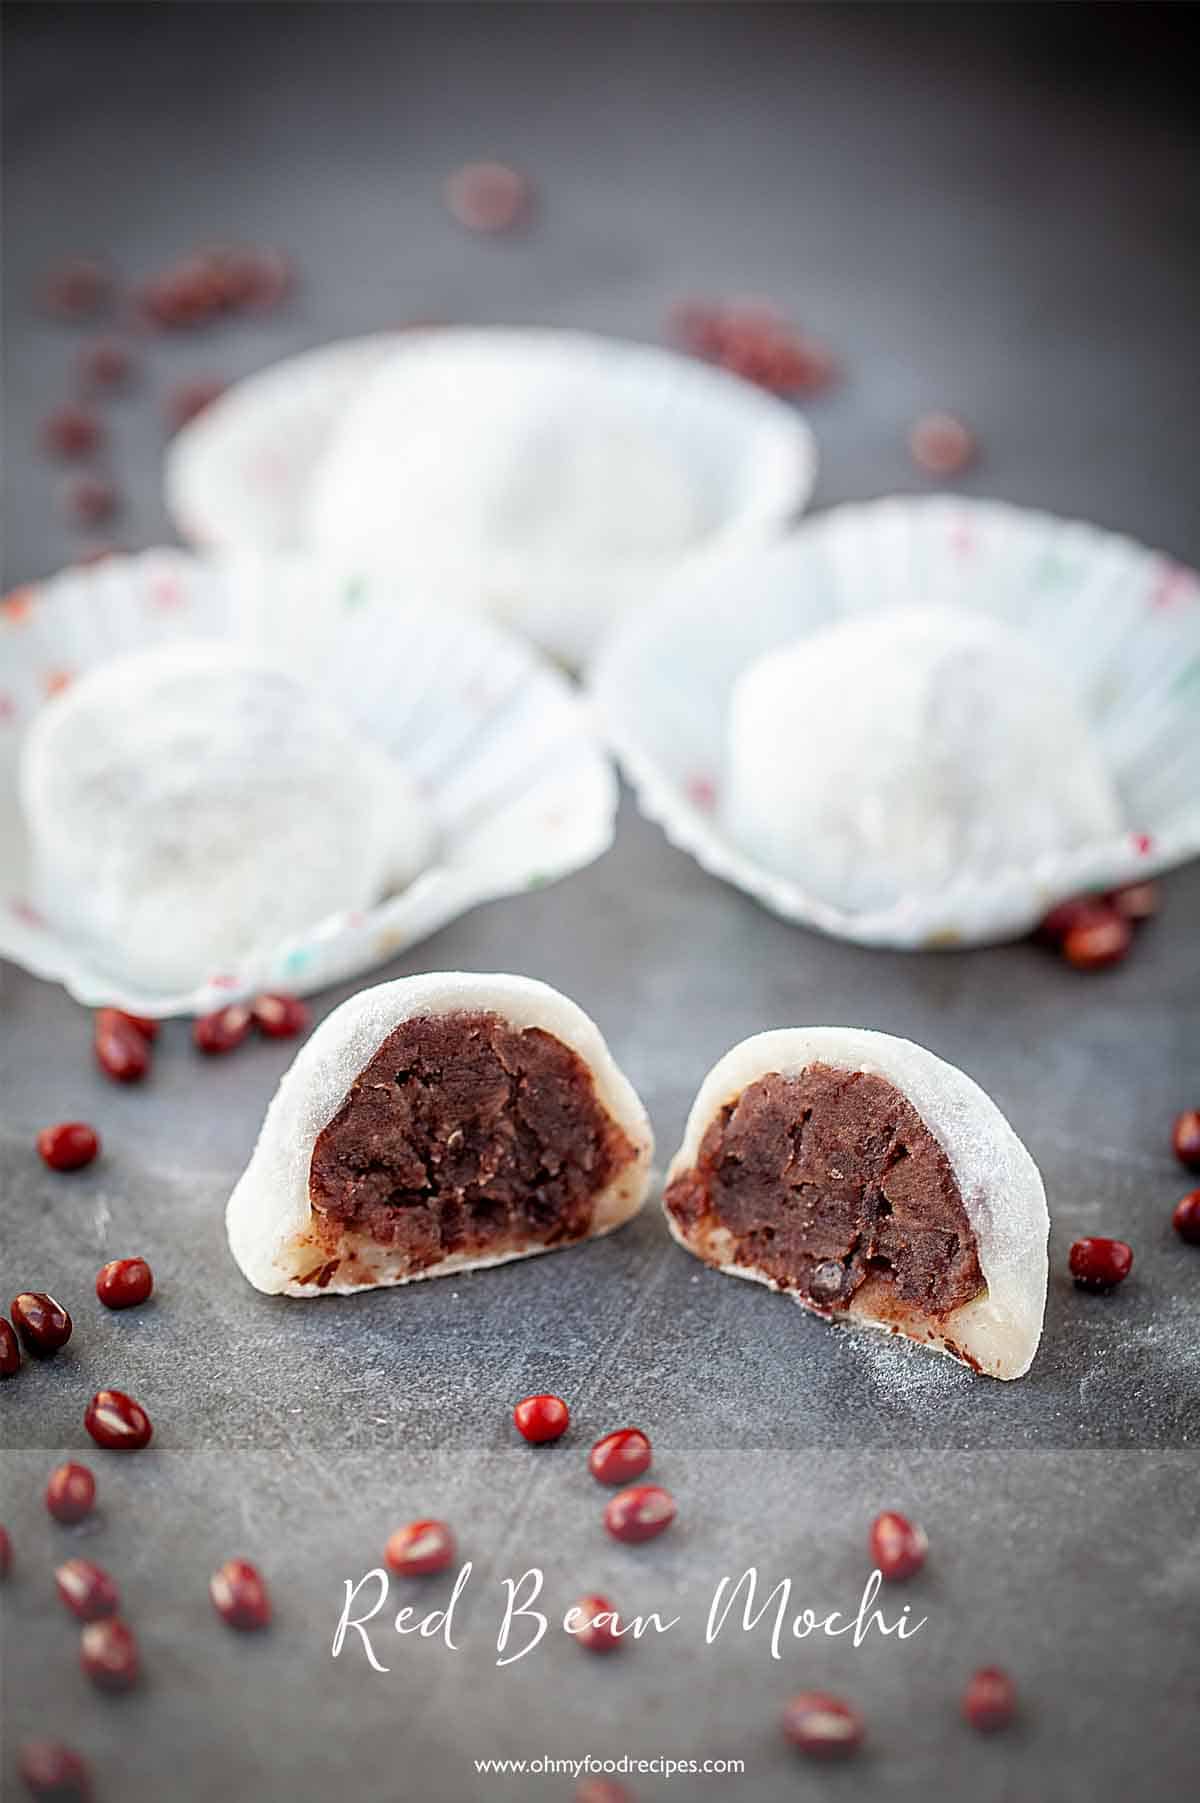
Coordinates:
(991, 208)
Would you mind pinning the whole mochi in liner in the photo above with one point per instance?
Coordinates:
(191, 806)
(511, 452)
(892, 754)
(436, 1124)
(872, 1182)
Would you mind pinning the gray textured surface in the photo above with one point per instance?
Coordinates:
(967, 230)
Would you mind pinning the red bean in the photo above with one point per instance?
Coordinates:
(223, 1031)
(70, 1492)
(420, 1548)
(122, 1049)
(87, 1590)
(542, 1418)
(823, 1726)
(71, 432)
(1185, 1139)
(640, 1513)
(106, 363)
(10, 1350)
(108, 1652)
(990, 1700)
(941, 444)
(69, 1145)
(1186, 1218)
(124, 1282)
(1099, 941)
(239, 1595)
(489, 197)
(5, 1553)
(54, 1772)
(280, 1016)
(88, 500)
(77, 289)
(595, 1625)
(141, 1023)
(43, 1324)
(897, 1546)
(1100, 1264)
(116, 1422)
(620, 1456)
(1137, 901)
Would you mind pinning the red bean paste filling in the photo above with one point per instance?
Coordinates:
(826, 1180)
(466, 1135)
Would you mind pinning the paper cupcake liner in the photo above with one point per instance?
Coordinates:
(520, 791)
(240, 476)
(1120, 624)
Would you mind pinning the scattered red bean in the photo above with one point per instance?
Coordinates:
(489, 197)
(187, 400)
(542, 1418)
(55, 1772)
(597, 1624)
(223, 1031)
(72, 432)
(87, 1590)
(124, 1282)
(239, 1595)
(280, 1016)
(231, 278)
(898, 1547)
(940, 444)
(88, 500)
(70, 1492)
(1186, 1218)
(990, 1700)
(122, 1049)
(106, 363)
(1137, 901)
(1185, 1139)
(639, 1513)
(620, 1456)
(141, 1023)
(108, 1653)
(822, 1726)
(10, 1349)
(602, 1790)
(750, 339)
(1095, 944)
(78, 289)
(1100, 1264)
(43, 1324)
(5, 1553)
(1076, 910)
(117, 1422)
(69, 1145)
(420, 1548)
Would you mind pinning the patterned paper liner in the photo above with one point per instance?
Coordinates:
(521, 792)
(1120, 623)
(239, 476)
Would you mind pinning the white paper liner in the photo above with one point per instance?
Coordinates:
(1118, 623)
(498, 743)
(240, 475)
